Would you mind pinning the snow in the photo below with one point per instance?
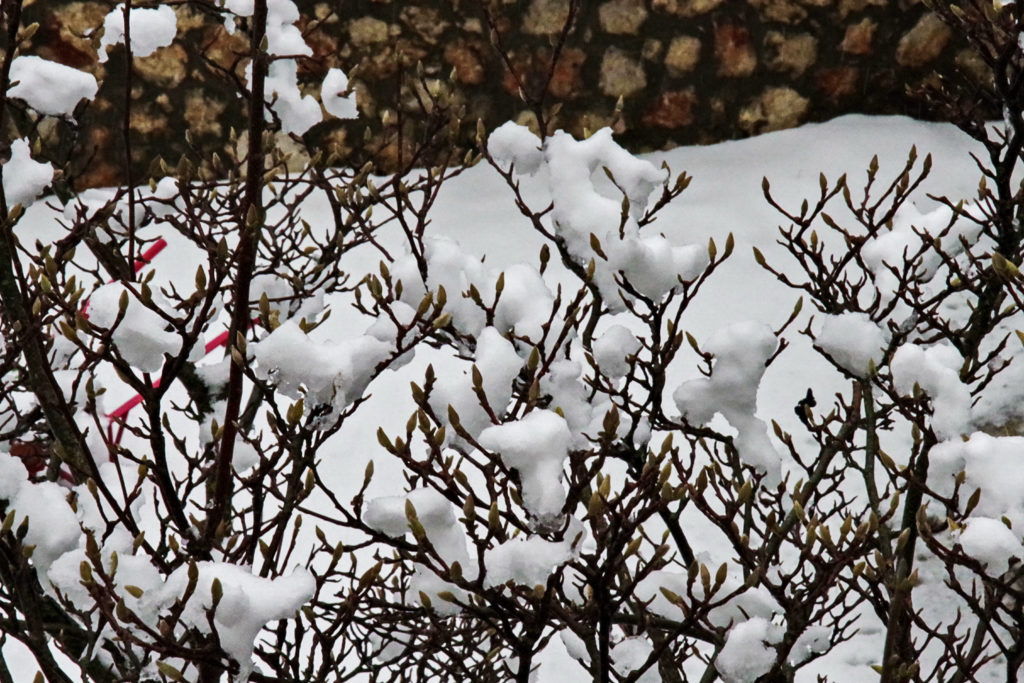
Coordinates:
(498, 364)
(514, 145)
(52, 525)
(525, 561)
(724, 198)
(990, 463)
(24, 178)
(740, 351)
(588, 210)
(748, 651)
(630, 654)
(12, 476)
(853, 341)
(907, 237)
(151, 29)
(49, 87)
(298, 112)
(338, 105)
(612, 350)
(536, 446)
(935, 370)
(814, 640)
(390, 515)
(325, 373)
(249, 603)
(991, 542)
(140, 336)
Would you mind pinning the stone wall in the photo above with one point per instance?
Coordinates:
(687, 71)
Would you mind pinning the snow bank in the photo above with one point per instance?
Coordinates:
(740, 351)
(49, 87)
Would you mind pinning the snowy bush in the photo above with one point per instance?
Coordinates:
(278, 425)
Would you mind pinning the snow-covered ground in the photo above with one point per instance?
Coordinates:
(477, 210)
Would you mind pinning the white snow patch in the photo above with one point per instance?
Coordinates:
(740, 351)
(934, 370)
(853, 341)
(49, 87)
(536, 446)
(613, 348)
(991, 542)
(151, 29)
(748, 652)
(140, 337)
(24, 178)
(331, 95)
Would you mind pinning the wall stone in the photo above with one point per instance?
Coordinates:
(688, 71)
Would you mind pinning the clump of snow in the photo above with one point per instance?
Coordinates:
(298, 112)
(740, 351)
(283, 37)
(436, 514)
(587, 212)
(524, 303)
(338, 105)
(12, 476)
(151, 29)
(49, 87)
(815, 640)
(613, 348)
(522, 306)
(991, 542)
(536, 446)
(630, 654)
(325, 373)
(988, 462)
(904, 240)
(525, 561)
(498, 364)
(52, 526)
(934, 369)
(248, 604)
(853, 341)
(511, 144)
(748, 653)
(24, 178)
(140, 337)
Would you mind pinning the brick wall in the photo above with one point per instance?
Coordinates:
(687, 71)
